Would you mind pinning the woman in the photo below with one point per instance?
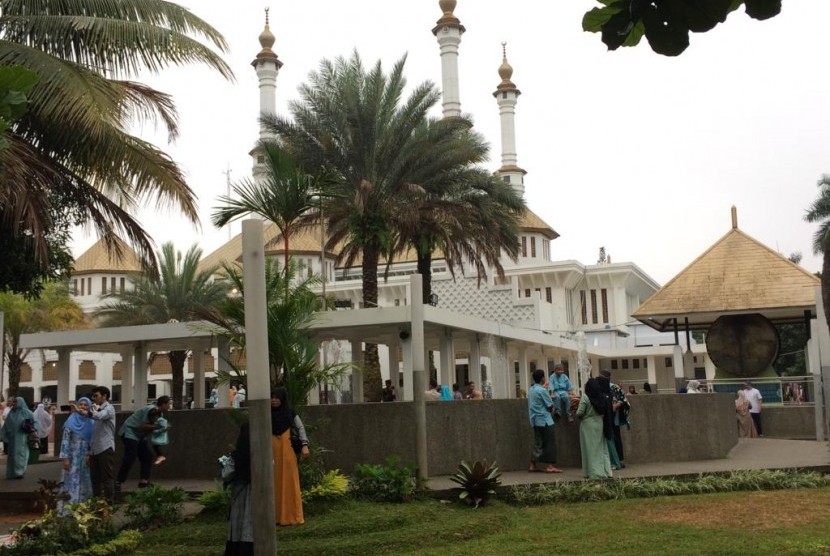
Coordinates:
(240, 522)
(746, 428)
(75, 450)
(43, 418)
(595, 431)
(288, 504)
(17, 439)
(693, 387)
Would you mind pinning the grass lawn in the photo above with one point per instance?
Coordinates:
(783, 522)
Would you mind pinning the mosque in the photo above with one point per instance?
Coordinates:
(542, 312)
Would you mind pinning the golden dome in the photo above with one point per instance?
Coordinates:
(267, 38)
(447, 6)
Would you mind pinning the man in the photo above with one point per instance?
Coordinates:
(472, 393)
(433, 394)
(560, 389)
(539, 408)
(621, 408)
(753, 396)
(388, 392)
(240, 397)
(102, 462)
(134, 434)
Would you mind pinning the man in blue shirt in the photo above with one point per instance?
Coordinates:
(539, 407)
(560, 386)
(134, 434)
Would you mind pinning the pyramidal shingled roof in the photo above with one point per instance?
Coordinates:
(738, 274)
(98, 259)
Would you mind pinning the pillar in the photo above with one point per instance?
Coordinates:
(127, 378)
(139, 393)
(651, 370)
(63, 371)
(357, 371)
(223, 354)
(199, 377)
(446, 372)
(407, 393)
(523, 371)
(475, 361)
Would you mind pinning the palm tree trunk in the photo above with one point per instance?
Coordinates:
(371, 361)
(425, 270)
(15, 363)
(177, 360)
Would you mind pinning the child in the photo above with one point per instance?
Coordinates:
(160, 439)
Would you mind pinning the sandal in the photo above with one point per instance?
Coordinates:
(552, 469)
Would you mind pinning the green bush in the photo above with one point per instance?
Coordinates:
(217, 500)
(333, 485)
(312, 468)
(154, 506)
(386, 482)
(125, 543)
(735, 481)
(82, 526)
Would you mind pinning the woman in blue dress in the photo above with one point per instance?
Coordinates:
(17, 439)
(75, 450)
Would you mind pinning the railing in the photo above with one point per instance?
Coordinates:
(784, 391)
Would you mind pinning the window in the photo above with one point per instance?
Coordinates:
(625, 363)
(524, 246)
(75, 286)
(594, 306)
(103, 285)
(548, 295)
(614, 365)
(645, 363)
(533, 247)
(668, 362)
(83, 284)
(635, 363)
(260, 159)
(546, 249)
(122, 285)
(604, 295)
(397, 303)
(112, 284)
(527, 292)
(308, 271)
(506, 179)
(583, 306)
(89, 285)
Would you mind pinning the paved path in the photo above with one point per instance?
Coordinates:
(760, 453)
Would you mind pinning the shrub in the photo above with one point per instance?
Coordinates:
(124, 543)
(82, 526)
(333, 485)
(154, 506)
(477, 483)
(592, 491)
(217, 500)
(386, 482)
(312, 468)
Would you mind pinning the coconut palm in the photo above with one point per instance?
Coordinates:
(283, 197)
(53, 309)
(819, 211)
(292, 353)
(352, 122)
(176, 293)
(74, 135)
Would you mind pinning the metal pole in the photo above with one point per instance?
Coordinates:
(419, 375)
(259, 396)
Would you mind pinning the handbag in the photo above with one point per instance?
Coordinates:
(33, 440)
(28, 426)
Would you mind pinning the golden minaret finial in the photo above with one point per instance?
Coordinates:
(266, 15)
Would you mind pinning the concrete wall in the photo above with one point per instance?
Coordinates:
(665, 428)
(798, 423)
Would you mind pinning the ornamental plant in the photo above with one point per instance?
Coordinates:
(476, 483)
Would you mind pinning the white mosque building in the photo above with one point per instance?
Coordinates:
(542, 312)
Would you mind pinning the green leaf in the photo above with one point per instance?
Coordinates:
(763, 9)
(593, 20)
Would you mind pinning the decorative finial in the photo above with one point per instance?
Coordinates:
(505, 69)
(447, 6)
(266, 16)
(504, 50)
(267, 38)
(734, 218)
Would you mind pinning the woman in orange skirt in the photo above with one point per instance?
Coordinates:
(288, 503)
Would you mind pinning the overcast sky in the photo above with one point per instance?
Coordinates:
(629, 150)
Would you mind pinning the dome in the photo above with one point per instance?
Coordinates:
(447, 6)
(267, 38)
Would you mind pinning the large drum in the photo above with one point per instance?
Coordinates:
(743, 345)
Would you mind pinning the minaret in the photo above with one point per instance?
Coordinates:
(267, 66)
(506, 95)
(448, 31)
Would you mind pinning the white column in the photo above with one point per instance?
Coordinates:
(651, 364)
(127, 378)
(507, 116)
(677, 363)
(501, 371)
(199, 377)
(394, 366)
(407, 393)
(357, 373)
(63, 372)
(223, 354)
(475, 362)
(446, 373)
(140, 380)
(448, 40)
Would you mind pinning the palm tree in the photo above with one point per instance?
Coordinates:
(462, 211)
(72, 146)
(177, 293)
(352, 124)
(53, 309)
(819, 211)
(292, 353)
(284, 197)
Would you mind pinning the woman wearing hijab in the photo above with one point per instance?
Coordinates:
(595, 430)
(288, 503)
(240, 540)
(76, 447)
(44, 424)
(16, 437)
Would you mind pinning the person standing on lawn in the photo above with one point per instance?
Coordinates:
(134, 433)
(102, 460)
(539, 408)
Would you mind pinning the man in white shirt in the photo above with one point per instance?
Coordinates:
(102, 451)
(753, 396)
